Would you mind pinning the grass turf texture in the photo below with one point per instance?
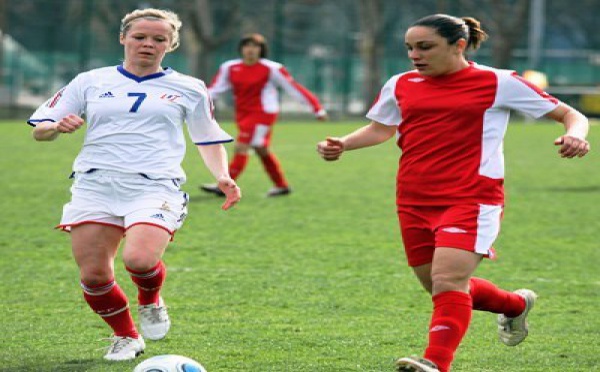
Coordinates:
(312, 282)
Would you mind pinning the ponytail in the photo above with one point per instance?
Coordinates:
(476, 33)
(453, 29)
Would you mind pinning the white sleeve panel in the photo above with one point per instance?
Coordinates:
(282, 78)
(518, 94)
(68, 100)
(220, 83)
(201, 123)
(386, 110)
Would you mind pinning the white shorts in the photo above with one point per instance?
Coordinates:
(123, 200)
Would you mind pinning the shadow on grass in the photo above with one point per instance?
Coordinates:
(575, 189)
(204, 197)
(78, 365)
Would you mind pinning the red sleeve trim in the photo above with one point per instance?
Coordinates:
(535, 88)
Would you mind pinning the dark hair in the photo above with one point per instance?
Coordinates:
(257, 39)
(454, 28)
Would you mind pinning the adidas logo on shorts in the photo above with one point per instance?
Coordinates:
(159, 216)
(107, 95)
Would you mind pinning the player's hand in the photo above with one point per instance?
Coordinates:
(571, 146)
(69, 124)
(331, 149)
(322, 115)
(233, 194)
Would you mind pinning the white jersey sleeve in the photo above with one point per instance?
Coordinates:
(386, 110)
(282, 78)
(201, 123)
(518, 94)
(220, 83)
(69, 100)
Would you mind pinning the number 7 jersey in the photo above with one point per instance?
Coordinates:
(135, 124)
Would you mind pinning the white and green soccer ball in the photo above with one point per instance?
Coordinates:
(169, 363)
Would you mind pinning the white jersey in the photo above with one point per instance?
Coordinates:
(135, 123)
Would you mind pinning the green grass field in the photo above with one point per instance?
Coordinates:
(313, 282)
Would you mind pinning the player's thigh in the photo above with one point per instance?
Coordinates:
(423, 273)
(452, 268)
(145, 244)
(94, 249)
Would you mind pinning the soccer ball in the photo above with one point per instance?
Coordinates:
(169, 363)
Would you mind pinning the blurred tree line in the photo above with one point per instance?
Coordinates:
(368, 30)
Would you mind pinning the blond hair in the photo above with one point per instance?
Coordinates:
(155, 15)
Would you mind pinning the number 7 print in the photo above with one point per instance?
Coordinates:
(140, 98)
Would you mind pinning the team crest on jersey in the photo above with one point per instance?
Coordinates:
(170, 97)
(165, 207)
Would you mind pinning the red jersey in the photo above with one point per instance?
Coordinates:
(451, 130)
(255, 86)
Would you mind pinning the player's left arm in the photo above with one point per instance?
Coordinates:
(283, 79)
(209, 138)
(573, 143)
(215, 158)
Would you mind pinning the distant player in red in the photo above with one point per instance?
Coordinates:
(449, 117)
(254, 81)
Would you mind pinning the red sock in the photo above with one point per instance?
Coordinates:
(488, 297)
(110, 302)
(149, 283)
(449, 323)
(273, 168)
(237, 165)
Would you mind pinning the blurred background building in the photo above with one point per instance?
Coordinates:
(341, 49)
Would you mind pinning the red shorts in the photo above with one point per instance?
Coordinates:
(254, 128)
(472, 227)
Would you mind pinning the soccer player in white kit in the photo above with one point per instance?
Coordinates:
(449, 117)
(128, 174)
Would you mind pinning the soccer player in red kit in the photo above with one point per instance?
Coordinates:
(254, 81)
(449, 117)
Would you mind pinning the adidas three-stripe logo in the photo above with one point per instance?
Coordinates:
(107, 95)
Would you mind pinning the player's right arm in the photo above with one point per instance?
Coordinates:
(59, 114)
(385, 118)
(49, 130)
(370, 135)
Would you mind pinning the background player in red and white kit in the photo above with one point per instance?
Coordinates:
(449, 117)
(254, 81)
(128, 173)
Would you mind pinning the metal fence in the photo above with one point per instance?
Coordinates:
(45, 43)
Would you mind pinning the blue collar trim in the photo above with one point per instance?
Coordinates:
(139, 79)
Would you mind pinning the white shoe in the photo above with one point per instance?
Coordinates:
(124, 348)
(415, 364)
(513, 331)
(279, 191)
(154, 320)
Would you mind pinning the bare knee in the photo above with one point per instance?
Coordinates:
(261, 151)
(96, 276)
(137, 260)
(448, 281)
